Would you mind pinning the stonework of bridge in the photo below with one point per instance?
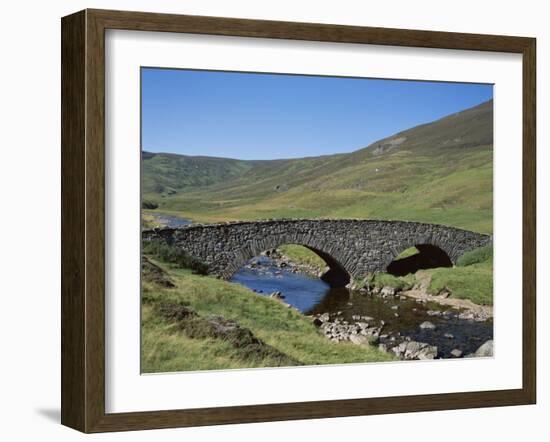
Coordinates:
(351, 248)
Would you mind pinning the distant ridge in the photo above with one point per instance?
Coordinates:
(435, 172)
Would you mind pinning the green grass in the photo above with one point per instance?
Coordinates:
(477, 256)
(383, 279)
(173, 255)
(407, 252)
(473, 282)
(471, 279)
(147, 220)
(302, 255)
(165, 348)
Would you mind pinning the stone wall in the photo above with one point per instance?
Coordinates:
(358, 246)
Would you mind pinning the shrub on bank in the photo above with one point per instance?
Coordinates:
(145, 204)
(476, 256)
(174, 255)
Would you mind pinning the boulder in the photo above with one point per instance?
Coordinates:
(413, 350)
(427, 325)
(485, 350)
(466, 315)
(277, 295)
(428, 352)
(456, 353)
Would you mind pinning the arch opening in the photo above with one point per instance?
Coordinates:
(307, 259)
(427, 256)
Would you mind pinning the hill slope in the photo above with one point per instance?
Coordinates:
(437, 172)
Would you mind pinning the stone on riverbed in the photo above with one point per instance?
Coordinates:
(413, 350)
(427, 325)
(387, 291)
(466, 315)
(456, 353)
(485, 350)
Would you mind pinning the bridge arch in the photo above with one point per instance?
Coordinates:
(431, 244)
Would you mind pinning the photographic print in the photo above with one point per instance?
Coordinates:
(298, 220)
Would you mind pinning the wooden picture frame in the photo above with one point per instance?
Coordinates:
(83, 220)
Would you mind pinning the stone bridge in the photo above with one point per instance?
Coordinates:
(351, 248)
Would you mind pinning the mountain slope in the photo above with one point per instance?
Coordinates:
(169, 173)
(437, 172)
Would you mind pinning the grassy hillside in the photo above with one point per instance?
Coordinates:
(166, 174)
(439, 172)
(175, 343)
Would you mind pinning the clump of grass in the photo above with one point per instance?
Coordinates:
(174, 255)
(384, 279)
(476, 256)
(146, 204)
(472, 278)
(473, 282)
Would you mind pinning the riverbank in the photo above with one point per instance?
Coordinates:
(420, 292)
(195, 322)
(468, 286)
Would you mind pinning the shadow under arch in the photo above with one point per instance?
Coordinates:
(429, 256)
(335, 276)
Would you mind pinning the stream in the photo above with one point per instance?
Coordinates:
(171, 221)
(402, 317)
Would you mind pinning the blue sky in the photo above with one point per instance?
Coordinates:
(266, 116)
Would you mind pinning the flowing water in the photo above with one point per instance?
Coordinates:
(312, 296)
(171, 221)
